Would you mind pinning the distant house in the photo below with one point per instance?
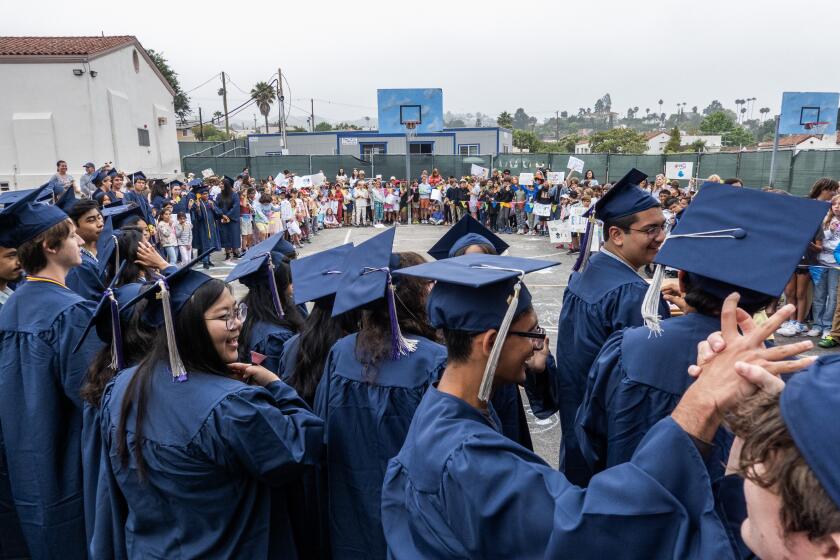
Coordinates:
(656, 141)
(583, 147)
(799, 142)
(81, 99)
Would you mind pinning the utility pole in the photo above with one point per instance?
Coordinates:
(255, 122)
(557, 124)
(282, 121)
(200, 125)
(312, 110)
(224, 103)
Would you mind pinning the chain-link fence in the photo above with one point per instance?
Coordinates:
(794, 172)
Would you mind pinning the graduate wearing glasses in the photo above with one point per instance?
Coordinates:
(604, 295)
(198, 445)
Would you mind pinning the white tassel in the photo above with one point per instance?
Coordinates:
(486, 386)
(650, 305)
(179, 373)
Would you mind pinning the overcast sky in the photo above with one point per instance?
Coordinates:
(543, 56)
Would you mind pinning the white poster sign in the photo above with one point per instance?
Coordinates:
(575, 164)
(526, 178)
(207, 173)
(679, 170)
(308, 181)
(437, 195)
(542, 210)
(478, 171)
(556, 177)
(576, 221)
(345, 141)
(559, 232)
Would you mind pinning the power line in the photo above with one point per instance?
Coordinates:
(205, 83)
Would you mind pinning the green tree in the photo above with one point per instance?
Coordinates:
(263, 93)
(732, 134)
(297, 129)
(696, 146)
(323, 127)
(673, 144)
(738, 137)
(618, 140)
(521, 120)
(210, 132)
(714, 107)
(526, 140)
(182, 102)
(456, 123)
(346, 126)
(505, 120)
(568, 142)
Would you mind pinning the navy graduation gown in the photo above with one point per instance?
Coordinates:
(84, 279)
(636, 380)
(205, 232)
(218, 455)
(142, 202)
(41, 413)
(460, 489)
(366, 417)
(288, 358)
(268, 339)
(605, 298)
(229, 233)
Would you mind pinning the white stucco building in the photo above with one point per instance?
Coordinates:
(80, 99)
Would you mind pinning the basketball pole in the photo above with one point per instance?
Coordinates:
(773, 155)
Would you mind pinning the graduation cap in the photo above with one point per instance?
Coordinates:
(120, 212)
(259, 263)
(112, 173)
(195, 183)
(67, 200)
(107, 246)
(137, 175)
(24, 219)
(10, 197)
(475, 293)
(725, 247)
(809, 407)
(106, 320)
(468, 231)
(227, 179)
(166, 296)
(623, 199)
(175, 183)
(365, 278)
(317, 276)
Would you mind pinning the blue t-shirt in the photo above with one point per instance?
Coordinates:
(425, 190)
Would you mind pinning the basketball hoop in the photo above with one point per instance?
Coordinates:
(410, 127)
(816, 127)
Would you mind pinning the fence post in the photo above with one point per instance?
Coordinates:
(607, 172)
(738, 165)
(790, 171)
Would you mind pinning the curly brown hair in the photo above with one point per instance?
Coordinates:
(806, 507)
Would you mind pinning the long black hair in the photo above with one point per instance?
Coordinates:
(261, 307)
(128, 241)
(159, 188)
(373, 344)
(226, 196)
(137, 337)
(319, 332)
(197, 354)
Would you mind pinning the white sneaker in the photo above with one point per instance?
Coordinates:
(788, 328)
(801, 328)
(814, 331)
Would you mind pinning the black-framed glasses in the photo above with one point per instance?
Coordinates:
(536, 336)
(651, 231)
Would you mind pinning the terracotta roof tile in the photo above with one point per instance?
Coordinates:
(61, 46)
(653, 134)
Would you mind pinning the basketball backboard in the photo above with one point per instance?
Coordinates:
(421, 107)
(808, 113)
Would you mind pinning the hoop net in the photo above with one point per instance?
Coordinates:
(818, 128)
(410, 127)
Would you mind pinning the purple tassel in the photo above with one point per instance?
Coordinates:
(272, 286)
(117, 358)
(396, 335)
(583, 254)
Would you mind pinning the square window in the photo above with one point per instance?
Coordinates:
(143, 137)
(373, 149)
(421, 147)
(468, 149)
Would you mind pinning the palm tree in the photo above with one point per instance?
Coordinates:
(647, 113)
(694, 109)
(763, 111)
(661, 102)
(264, 95)
(218, 116)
